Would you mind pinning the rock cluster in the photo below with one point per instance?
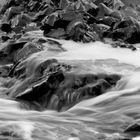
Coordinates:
(78, 20)
(40, 80)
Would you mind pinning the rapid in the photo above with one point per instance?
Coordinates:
(104, 117)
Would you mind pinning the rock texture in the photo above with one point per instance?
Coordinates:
(48, 82)
(33, 72)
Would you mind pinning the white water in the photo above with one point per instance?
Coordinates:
(104, 116)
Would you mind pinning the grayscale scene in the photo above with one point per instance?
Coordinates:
(69, 69)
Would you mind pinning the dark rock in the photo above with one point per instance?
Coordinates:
(124, 45)
(134, 38)
(12, 12)
(6, 27)
(77, 30)
(21, 20)
(110, 21)
(133, 129)
(126, 22)
(42, 14)
(5, 38)
(104, 11)
(93, 11)
(59, 24)
(26, 51)
(4, 70)
(8, 4)
(56, 85)
(8, 51)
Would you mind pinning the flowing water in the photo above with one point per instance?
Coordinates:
(104, 117)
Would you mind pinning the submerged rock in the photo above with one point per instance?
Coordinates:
(57, 85)
(8, 51)
(26, 51)
(6, 27)
(124, 45)
(134, 128)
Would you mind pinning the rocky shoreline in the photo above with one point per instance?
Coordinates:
(30, 66)
(41, 83)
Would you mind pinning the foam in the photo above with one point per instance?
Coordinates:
(22, 129)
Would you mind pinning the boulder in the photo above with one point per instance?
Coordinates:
(4, 70)
(78, 31)
(107, 20)
(124, 45)
(21, 20)
(28, 49)
(5, 38)
(133, 129)
(6, 27)
(57, 85)
(12, 12)
(8, 4)
(8, 51)
(103, 11)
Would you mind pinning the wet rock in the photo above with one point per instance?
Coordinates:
(58, 33)
(124, 45)
(16, 36)
(133, 129)
(21, 20)
(126, 22)
(8, 51)
(8, 4)
(104, 11)
(128, 34)
(42, 14)
(5, 38)
(78, 31)
(26, 51)
(18, 30)
(4, 70)
(110, 21)
(118, 4)
(58, 24)
(12, 12)
(134, 37)
(55, 85)
(117, 15)
(6, 27)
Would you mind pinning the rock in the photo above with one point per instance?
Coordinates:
(133, 129)
(8, 4)
(4, 70)
(58, 33)
(5, 38)
(107, 20)
(18, 29)
(93, 11)
(104, 11)
(42, 14)
(12, 12)
(21, 20)
(126, 22)
(134, 37)
(77, 30)
(117, 4)
(124, 45)
(116, 14)
(56, 85)
(8, 51)
(58, 28)
(6, 27)
(28, 49)
(128, 34)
